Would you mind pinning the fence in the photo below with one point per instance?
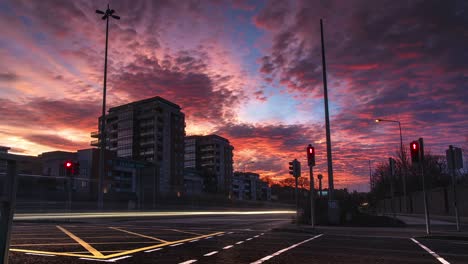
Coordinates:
(440, 202)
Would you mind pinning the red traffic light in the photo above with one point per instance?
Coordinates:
(311, 155)
(414, 151)
(68, 164)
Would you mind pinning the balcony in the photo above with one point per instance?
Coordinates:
(95, 134)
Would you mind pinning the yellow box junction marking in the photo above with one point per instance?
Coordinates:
(80, 241)
(185, 232)
(137, 234)
(123, 253)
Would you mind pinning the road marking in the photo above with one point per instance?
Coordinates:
(256, 236)
(127, 252)
(38, 254)
(208, 237)
(220, 235)
(211, 253)
(262, 234)
(284, 250)
(185, 232)
(188, 261)
(240, 242)
(194, 240)
(231, 233)
(107, 260)
(152, 250)
(228, 247)
(138, 234)
(175, 245)
(248, 239)
(435, 255)
(87, 246)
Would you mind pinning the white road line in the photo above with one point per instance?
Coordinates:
(262, 234)
(256, 236)
(240, 242)
(248, 239)
(115, 259)
(210, 254)
(107, 260)
(284, 250)
(188, 261)
(208, 237)
(175, 245)
(435, 255)
(228, 247)
(39, 254)
(230, 232)
(194, 240)
(152, 250)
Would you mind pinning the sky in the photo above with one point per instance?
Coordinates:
(249, 71)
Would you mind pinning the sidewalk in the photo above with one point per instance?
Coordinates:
(435, 219)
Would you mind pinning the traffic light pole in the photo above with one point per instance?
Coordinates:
(454, 189)
(421, 164)
(297, 201)
(312, 198)
(69, 179)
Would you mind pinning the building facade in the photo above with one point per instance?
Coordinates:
(211, 156)
(248, 186)
(150, 130)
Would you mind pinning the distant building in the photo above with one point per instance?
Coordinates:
(193, 182)
(150, 130)
(211, 156)
(248, 186)
(3, 163)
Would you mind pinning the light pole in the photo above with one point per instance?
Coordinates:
(108, 13)
(403, 158)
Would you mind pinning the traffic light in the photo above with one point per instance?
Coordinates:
(414, 150)
(68, 167)
(295, 168)
(417, 150)
(291, 168)
(311, 155)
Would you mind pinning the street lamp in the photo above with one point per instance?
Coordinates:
(403, 158)
(108, 13)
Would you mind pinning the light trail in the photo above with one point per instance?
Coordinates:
(48, 216)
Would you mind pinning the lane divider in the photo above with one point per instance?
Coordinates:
(435, 255)
(188, 261)
(284, 250)
(211, 253)
(152, 250)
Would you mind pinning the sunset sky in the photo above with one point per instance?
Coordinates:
(247, 70)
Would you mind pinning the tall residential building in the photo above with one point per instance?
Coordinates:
(248, 186)
(211, 156)
(150, 130)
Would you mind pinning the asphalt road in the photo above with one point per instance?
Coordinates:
(226, 239)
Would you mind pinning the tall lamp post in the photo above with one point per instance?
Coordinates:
(106, 15)
(403, 158)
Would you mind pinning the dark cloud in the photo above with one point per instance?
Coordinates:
(8, 77)
(50, 114)
(183, 79)
(55, 141)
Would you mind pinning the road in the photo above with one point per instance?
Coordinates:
(229, 238)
